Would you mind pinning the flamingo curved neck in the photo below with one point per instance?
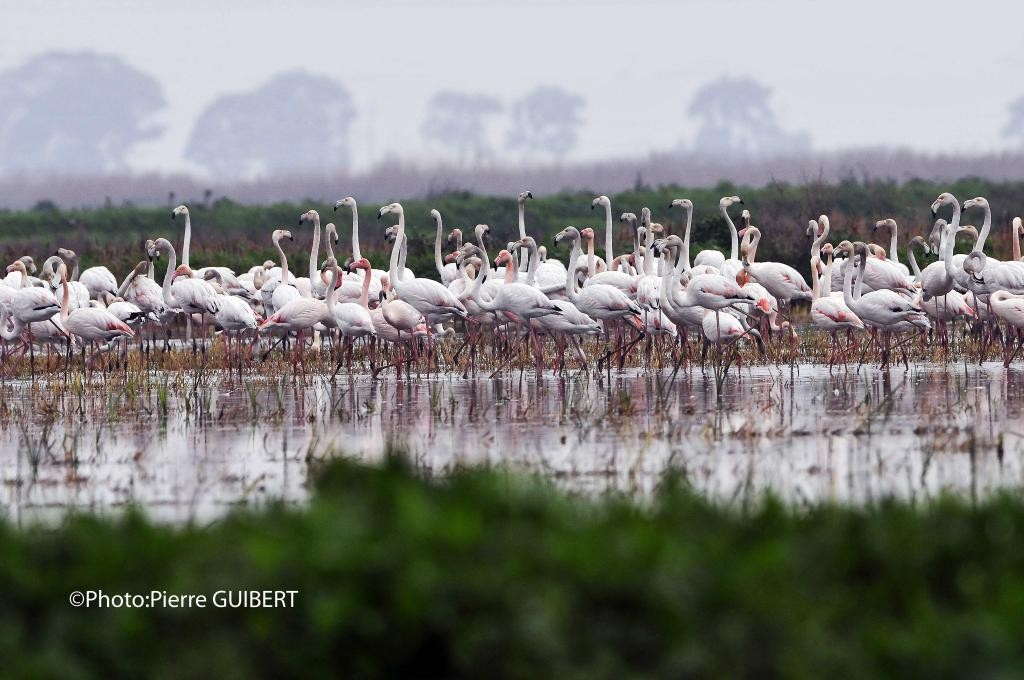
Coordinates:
(648, 259)
(188, 239)
(397, 260)
(284, 261)
(862, 266)
(815, 284)
(818, 242)
(913, 262)
(986, 227)
(314, 253)
(685, 254)
(438, 262)
(172, 264)
(127, 282)
(64, 300)
(356, 254)
(827, 288)
(532, 264)
(364, 295)
(948, 245)
(848, 283)
(893, 243)
(523, 262)
(608, 257)
(328, 246)
(570, 279)
(332, 290)
(734, 237)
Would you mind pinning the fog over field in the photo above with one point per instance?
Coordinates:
(400, 98)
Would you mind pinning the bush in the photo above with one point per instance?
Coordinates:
(229, 234)
(490, 574)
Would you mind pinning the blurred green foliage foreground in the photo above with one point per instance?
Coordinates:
(488, 574)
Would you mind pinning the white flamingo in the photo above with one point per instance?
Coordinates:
(431, 298)
(97, 280)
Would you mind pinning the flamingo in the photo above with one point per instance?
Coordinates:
(715, 258)
(90, 324)
(830, 312)
(989, 275)
(885, 310)
(314, 285)
(80, 295)
(447, 272)
(890, 224)
(352, 320)
(1009, 308)
(781, 280)
(97, 280)
(720, 329)
(431, 298)
(298, 315)
(605, 203)
(277, 293)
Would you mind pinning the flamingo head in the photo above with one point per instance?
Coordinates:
(728, 201)
(742, 277)
(30, 264)
(452, 256)
(347, 202)
(569, 233)
(823, 225)
(523, 195)
(628, 218)
(18, 266)
(812, 229)
(887, 223)
(684, 203)
(331, 231)
(65, 253)
(455, 236)
(969, 230)
(182, 270)
(877, 251)
(602, 201)
(979, 201)
(945, 198)
(587, 233)
(389, 208)
(361, 263)
(309, 216)
(827, 250)
(280, 234)
(503, 258)
(180, 210)
(212, 275)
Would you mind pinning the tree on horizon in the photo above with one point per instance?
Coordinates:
(296, 122)
(75, 112)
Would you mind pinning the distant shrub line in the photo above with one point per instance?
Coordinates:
(236, 235)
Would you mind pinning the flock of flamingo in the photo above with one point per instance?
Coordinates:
(522, 299)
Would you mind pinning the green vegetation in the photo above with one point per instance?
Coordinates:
(230, 234)
(489, 574)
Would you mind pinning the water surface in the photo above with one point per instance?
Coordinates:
(190, 447)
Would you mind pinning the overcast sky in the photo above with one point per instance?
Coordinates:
(924, 74)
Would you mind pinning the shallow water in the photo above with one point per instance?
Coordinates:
(190, 448)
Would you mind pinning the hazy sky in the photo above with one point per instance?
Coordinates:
(925, 74)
